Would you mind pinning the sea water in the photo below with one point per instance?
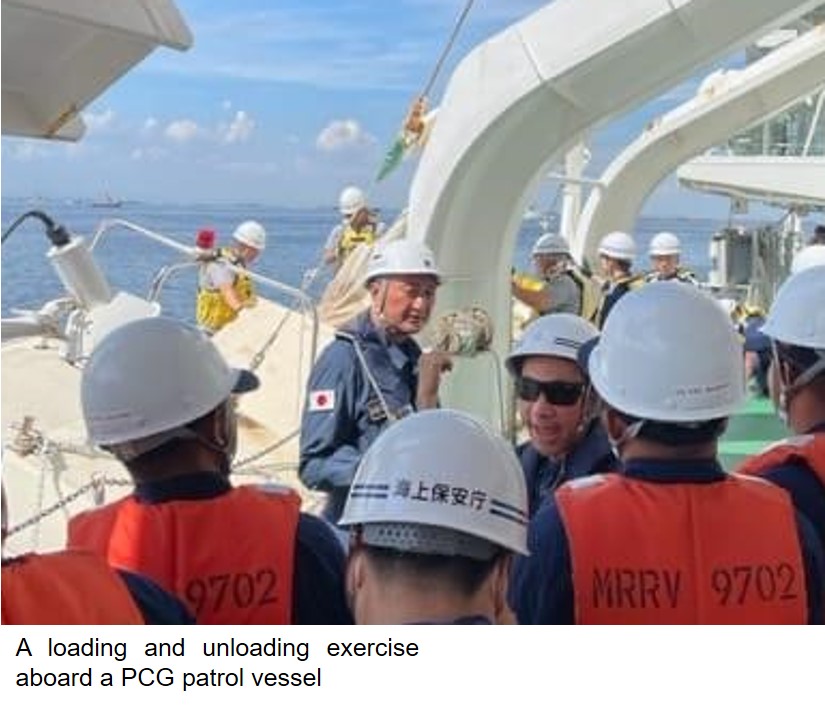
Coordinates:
(296, 238)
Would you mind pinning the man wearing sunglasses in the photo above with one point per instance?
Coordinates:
(796, 332)
(556, 407)
(672, 538)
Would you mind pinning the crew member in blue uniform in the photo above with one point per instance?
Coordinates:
(373, 373)
(556, 406)
(670, 538)
(158, 395)
(617, 251)
(436, 512)
(796, 332)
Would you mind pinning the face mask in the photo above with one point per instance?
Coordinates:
(630, 432)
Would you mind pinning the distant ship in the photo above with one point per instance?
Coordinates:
(107, 201)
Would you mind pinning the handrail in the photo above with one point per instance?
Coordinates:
(305, 304)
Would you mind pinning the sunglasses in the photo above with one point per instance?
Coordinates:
(558, 393)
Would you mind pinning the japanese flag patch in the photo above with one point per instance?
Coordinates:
(323, 400)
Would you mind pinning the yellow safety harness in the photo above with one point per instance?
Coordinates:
(352, 238)
(212, 311)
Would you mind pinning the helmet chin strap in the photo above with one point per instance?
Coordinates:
(631, 431)
(130, 450)
(789, 389)
(381, 318)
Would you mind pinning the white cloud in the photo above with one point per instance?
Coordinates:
(226, 104)
(96, 122)
(182, 130)
(26, 150)
(240, 129)
(147, 153)
(149, 125)
(342, 134)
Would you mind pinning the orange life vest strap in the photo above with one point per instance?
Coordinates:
(680, 553)
(230, 559)
(69, 587)
(808, 448)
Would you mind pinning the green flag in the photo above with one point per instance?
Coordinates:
(392, 159)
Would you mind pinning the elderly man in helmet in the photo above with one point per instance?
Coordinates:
(436, 511)
(564, 289)
(78, 588)
(796, 330)
(617, 251)
(359, 226)
(224, 287)
(671, 538)
(664, 252)
(373, 373)
(556, 406)
(158, 395)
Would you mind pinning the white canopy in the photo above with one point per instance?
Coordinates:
(522, 98)
(725, 103)
(796, 181)
(59, 55)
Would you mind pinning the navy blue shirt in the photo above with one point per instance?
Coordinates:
(344, 413)
(158, 606)
(541, 587)
(614, 291)
(318, 595)
(543, 475)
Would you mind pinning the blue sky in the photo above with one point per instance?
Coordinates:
(283, 102)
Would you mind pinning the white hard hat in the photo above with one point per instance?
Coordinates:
(797, 315)
(618, 245)
(550, 244)
(812, 256)
(667, 353)
(351, 200)
(252, 234)
(440, 482)
(401, 256)
(553, 335)
(153, 375)
(664, 244)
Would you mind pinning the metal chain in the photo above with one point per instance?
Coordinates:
(96, 484)
(266, 450)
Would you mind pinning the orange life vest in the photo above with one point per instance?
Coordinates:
(69, 587)
(230, 559)
(808, 448)
(681, 553)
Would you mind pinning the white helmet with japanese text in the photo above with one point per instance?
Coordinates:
(439, 482)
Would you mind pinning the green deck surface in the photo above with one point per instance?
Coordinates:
(750, 431)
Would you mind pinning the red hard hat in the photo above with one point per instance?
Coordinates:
(205, 238)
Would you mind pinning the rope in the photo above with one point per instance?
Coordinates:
(465, 332)
(453, 35)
